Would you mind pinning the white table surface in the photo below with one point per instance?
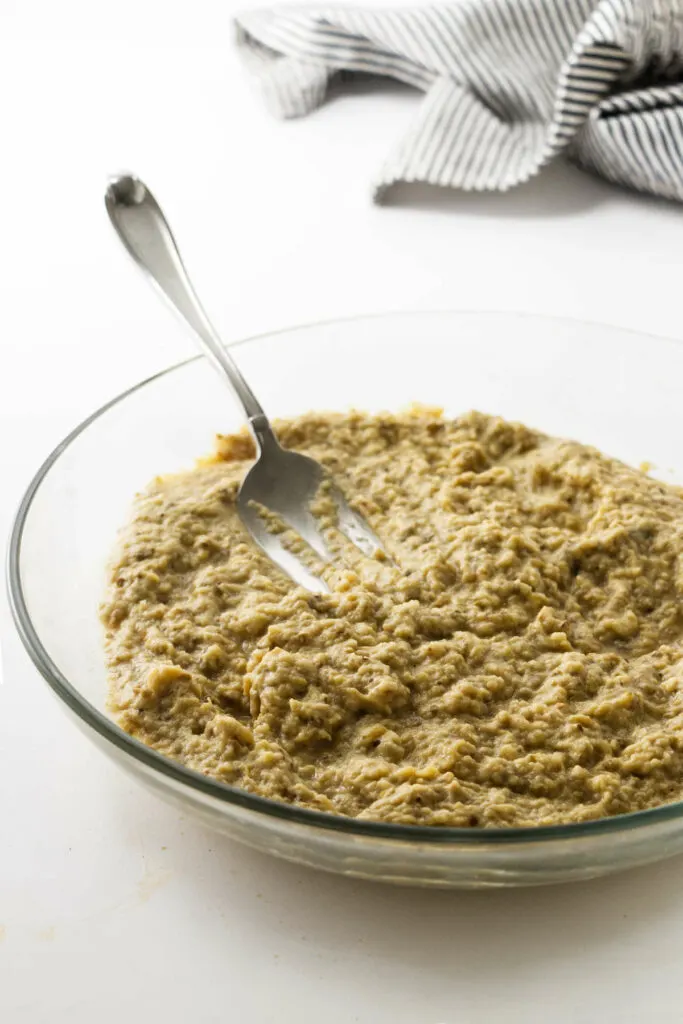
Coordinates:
(112, 907)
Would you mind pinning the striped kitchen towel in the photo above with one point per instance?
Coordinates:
(509, 84)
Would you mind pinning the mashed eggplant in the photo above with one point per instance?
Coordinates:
(521, 665)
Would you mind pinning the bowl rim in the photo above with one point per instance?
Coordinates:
(107, 729)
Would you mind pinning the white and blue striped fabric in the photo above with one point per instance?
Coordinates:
(509, 84)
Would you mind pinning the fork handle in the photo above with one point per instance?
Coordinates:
(140, 224)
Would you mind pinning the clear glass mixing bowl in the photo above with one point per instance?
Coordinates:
(616, 389)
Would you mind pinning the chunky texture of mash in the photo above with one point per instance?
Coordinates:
(522, 665)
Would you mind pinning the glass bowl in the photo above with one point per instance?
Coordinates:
(616, 389)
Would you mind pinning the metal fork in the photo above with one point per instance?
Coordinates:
(282, 481)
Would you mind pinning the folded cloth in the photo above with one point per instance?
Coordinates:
(509, 84)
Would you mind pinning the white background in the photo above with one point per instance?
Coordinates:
(111, 906)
